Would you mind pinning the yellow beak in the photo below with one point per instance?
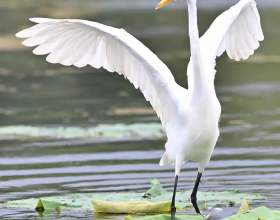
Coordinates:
(163, 3)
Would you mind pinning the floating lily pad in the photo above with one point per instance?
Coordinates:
(167, 217)
(82, 202)
(157, 193)
(102, 131)
(255, 214)
(261, 213)
(132, 207)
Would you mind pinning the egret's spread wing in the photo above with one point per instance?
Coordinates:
(236, 31)
(79, 42)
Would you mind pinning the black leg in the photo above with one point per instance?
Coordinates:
(173, 207)
(194, 192)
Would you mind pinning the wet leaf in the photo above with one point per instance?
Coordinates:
(156, 190)
(168, 217)
(245, 207)
(258, 213)
(157, 194)
(102, 131)
(261, 213)
(45, 204)
(132, 207)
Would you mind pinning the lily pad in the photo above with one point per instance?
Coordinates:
(167, 217)
(258, 213)
(132, 207)
(82, 202)
(245, 206)
(157, 193)
(45, 204)
(102, 131)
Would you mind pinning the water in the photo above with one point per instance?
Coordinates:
(33, 92)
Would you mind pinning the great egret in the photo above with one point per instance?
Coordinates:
(190, 117)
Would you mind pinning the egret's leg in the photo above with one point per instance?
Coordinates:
(194, 192)
(173, 207)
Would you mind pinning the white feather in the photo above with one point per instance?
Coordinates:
(236, 31)
(190, 118)
(81, 43)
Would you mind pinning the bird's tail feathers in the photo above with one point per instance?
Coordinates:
(164, 160)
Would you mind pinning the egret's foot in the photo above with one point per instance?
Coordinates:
(173, 211)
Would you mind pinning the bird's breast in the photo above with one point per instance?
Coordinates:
(201, 134)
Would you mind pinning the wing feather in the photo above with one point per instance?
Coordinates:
(81, 43)
(236, 31)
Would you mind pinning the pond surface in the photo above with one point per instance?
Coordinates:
(36, 93)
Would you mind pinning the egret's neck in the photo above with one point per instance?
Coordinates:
(199, 80)
(193, 29)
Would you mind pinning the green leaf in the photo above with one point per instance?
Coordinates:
(82, 202)
(258, 213)
(102, 131)
(168, 217)
(156, 190)
(45, 204)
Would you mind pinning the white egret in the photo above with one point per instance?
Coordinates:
(190, 117)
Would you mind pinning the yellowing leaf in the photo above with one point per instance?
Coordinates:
(132, 207)
(245, 207)
(131, 111)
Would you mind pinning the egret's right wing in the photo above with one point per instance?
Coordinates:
(236, 31)
(80, 42)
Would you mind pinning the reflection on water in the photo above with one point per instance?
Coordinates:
(33, 92)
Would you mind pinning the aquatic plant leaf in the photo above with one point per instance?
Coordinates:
(168, 217)
(45, 204)
(82, 202)
(245, 206)
(156, 190)
(23, 203)
(261, 213)
(55, 203)
(258, 213)
(100, 132)
(131, 207)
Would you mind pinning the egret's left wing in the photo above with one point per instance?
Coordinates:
(236, 31)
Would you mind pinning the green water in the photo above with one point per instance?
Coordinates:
(34, 92)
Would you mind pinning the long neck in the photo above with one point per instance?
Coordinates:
(199, 79)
